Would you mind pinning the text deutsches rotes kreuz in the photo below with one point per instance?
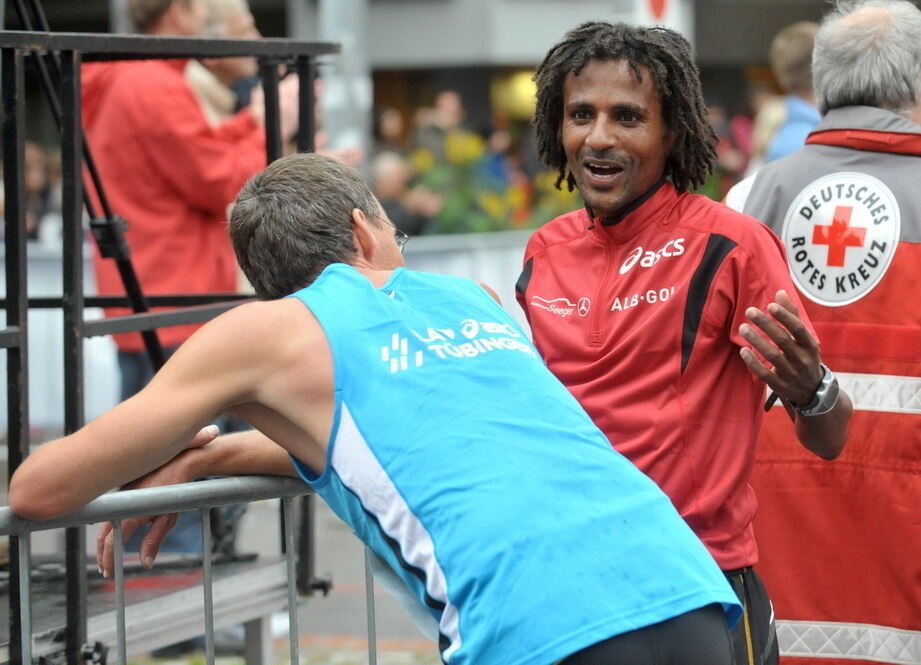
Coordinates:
(841, 233)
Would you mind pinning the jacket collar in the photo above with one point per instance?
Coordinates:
(868, 128)
(649, 208)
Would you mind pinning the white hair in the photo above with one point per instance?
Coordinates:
(868, 53)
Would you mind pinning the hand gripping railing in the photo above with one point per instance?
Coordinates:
(117, 506)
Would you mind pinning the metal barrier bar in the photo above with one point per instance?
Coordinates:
(167, 300)
(307, 127)
(72, 212)
(104, 46)
(207, 586)
(17, 372)
(371, 610)
(156, 500)
(268, 73)
(154, 320)
(122, 260)
(288, 523)
(10, 337)
(24, 554)
(121, 639)
(59, 56)
(308, 583)
(159, 500)
(47, 63)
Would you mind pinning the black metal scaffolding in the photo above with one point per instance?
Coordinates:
(58, 57)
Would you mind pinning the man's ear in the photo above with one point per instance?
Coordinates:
(365, 243)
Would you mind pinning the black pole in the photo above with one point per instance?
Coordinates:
(268, 70)
(71, 169)
(17, 358)
(48, 64)
(307, 123)
(307, 582)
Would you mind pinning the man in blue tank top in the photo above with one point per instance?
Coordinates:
(417, 408)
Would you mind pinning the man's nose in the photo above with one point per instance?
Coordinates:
(601, 134)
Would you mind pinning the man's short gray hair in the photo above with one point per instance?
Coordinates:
(868, 53)
(294, 218)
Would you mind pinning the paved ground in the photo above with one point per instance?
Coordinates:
(333, 629)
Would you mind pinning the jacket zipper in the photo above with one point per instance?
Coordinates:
(595, 337)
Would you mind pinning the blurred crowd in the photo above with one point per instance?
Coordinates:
(436, 174)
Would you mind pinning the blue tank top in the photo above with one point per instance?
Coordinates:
(462, 462)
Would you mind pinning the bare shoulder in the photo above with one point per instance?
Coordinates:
(249, 343)
(262, 327)
(492, 294)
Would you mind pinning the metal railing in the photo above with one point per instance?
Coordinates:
(115, 507)
(57, 58)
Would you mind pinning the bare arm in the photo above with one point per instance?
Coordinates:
(492, 294)
(794, 373)
(242, 453)
(228, 362)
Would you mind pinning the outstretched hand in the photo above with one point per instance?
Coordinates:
(171, 473)
(791, 365)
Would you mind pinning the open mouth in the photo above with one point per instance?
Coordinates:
(602, 170)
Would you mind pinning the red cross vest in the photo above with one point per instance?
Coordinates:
(841, 541)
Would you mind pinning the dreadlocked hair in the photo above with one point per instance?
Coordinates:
(667, 55)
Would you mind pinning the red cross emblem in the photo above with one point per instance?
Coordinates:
(839, 236)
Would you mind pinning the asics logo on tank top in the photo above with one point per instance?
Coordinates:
(469, 339)
(840, 233)
(563, 307)
(648, 258)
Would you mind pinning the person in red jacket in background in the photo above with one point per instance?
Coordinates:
(169, 173)
(663, 312)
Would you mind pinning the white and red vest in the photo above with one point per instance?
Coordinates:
(841, 542)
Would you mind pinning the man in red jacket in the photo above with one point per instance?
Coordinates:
(665, 313)
(169, 173)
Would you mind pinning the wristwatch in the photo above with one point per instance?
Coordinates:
(825, 398)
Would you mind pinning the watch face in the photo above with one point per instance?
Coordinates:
(825, 398)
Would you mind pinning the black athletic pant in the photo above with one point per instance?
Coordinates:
(754, 637)
(699, 637)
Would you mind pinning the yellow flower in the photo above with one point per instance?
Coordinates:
(463, 147)
(516, 197)
(423, 160)
(544, 181)
(493, 205)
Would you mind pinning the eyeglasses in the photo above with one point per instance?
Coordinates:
(399, 237)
